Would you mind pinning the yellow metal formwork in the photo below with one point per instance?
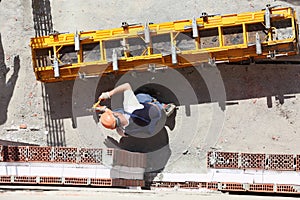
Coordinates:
(183, 43)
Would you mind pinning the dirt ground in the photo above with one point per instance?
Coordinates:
(244, 108)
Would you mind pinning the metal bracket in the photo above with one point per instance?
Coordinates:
(125, 25)
(268, 17)
(55, 33)
(258, 45)
(125, 45)
(212, 61)
(81, 75)
(195, 27)
(115, 60)
(152, 68)
(174, 55)
(273, 55)
(147, 33)
(205, 16)
(77, 41)
(56, 68)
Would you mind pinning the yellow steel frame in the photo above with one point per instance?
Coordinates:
(185, 58)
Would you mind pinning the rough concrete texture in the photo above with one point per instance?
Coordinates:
(262, 101)
(83, 193)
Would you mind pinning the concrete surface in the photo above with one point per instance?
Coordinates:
(261, 112)
(87, 193)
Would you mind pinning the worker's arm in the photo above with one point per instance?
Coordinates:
(120, 89)
(116, 90)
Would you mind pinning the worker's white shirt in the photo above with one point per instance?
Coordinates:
(130, 103)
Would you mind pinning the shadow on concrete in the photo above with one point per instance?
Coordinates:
(293, 2)
(43, 25)
(7, 85)
(270, 81)
(243, 82)
(156, 148)
(42, 17)
(11, 143)
(261, 81)
(54, 126)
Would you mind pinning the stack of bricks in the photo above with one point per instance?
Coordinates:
(43, 180)
(286, 189)
(72, 155)
(231, 187)
(185, 185)
(230, 160)
(46, 158)
(130, 159)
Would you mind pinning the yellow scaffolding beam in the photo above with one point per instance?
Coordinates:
(183, 43)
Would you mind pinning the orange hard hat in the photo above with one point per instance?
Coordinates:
(108, 120)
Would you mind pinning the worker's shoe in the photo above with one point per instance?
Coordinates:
(169, 109)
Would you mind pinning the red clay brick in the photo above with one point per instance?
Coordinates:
(101, 182)
(39, 154)
(93, 156)
(25, 179)
(234, 187)
(17, 154)
(253, 161)
(222, 160)
(261, 188)
(286, 189)
(5, 179)
(65, 154)
(50, 180)
(281, 162)
(75, 181)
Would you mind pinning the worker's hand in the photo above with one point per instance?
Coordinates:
(101, 108)
(104, 96)
(121, 132)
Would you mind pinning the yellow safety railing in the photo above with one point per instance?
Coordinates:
(268, 33)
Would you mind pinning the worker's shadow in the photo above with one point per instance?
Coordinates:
(293, 2)
(156, 148)
(6, 86)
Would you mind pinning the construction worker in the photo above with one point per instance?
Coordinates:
(140, 113)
